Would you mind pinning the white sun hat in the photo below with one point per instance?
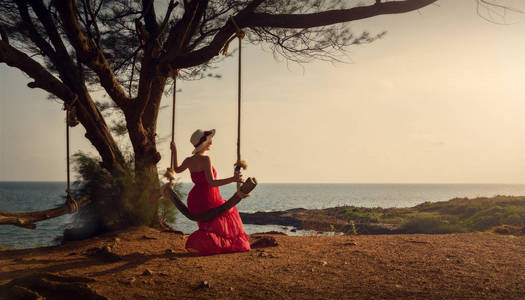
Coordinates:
(201, 139)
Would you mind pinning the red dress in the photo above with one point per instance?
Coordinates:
(221, 235)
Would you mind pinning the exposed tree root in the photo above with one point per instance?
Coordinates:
(50, 286)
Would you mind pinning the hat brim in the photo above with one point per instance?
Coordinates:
(206, 142)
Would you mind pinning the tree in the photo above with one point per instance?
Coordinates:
(72, 48)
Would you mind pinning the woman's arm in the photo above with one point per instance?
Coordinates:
(237, 177)
(177, 168)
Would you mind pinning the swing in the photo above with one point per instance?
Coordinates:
(71, 205)
(243, 189)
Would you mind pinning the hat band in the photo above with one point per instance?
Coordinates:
(203, 138)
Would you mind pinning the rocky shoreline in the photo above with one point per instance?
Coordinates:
(305, 219)
(500, 214)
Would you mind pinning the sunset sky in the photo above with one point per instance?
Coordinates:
(439, 99)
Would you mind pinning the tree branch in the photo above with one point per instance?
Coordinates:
(150, 18)
(181, 33)
(333, 16)
(94, 21)
(42, 78)
(250, 19)
(90, 54)
(3, 34)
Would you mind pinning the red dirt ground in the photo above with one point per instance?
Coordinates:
(474, 265)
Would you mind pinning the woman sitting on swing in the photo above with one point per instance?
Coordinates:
(225, 233)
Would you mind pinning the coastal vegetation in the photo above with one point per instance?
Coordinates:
(501, 214)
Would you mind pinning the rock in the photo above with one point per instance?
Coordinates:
(231, 289)
(269, 232)
(105, 253)
(145, 237)
(163, 274)
(147, 272)
(169, 251)
(324, 263)
(131, 280)
(293, 230)
(263, 242)
(350, 243)
(204, 284)
(116, 240)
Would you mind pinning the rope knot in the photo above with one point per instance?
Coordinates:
(239, 34)
(71, 202)
(169, 174)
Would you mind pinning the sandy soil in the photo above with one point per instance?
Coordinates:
(478, 265)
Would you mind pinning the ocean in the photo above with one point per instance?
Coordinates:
(31, 196)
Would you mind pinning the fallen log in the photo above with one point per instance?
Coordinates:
(28, 219)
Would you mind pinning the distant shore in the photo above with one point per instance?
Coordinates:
(500, 214)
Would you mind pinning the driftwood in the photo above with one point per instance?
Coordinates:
(246, 188)
(28, 219)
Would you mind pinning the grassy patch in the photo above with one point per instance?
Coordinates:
(456, 215)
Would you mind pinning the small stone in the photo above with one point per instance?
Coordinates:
(147, 272)
(231, 289)
(398, 286)
(312, 269)
(106, 249)
(169, 251)
(131, 280)
(205, 284)
(350, 243)
(163, 274)
(324, 263)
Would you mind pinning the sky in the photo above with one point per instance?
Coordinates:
(439, 99)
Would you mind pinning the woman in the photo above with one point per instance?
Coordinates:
(225, 233)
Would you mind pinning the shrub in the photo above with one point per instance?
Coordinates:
(116, 201)
(430, 224)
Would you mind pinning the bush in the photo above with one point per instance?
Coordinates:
(117, 202)
(430, 224)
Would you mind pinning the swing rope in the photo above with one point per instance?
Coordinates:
(170, 172)
(239, 163)
(243, 190)
(70, 121)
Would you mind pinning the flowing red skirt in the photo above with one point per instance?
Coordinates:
(223, 234)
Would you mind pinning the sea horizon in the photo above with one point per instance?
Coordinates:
(312, 182)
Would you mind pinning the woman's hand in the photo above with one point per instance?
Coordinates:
(237, 176)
